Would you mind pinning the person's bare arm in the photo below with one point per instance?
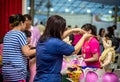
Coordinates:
(108, 60)
(107, 43)
(104, 42)
(78, 46)
(27, 51)
(71, 31)
(92, 59)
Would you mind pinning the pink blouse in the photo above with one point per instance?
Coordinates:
(89, 49)
(77, 37)
(35, 35)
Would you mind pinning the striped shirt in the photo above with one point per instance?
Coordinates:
(14, 62)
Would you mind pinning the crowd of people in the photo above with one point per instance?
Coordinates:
(29, 54)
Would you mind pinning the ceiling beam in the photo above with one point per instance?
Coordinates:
(106, 2)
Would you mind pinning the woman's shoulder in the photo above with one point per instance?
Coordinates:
(13, 33)
(18, 34)
(94, 40)
(54, 40)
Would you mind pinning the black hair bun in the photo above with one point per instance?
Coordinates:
(11, 19)
(15, 20)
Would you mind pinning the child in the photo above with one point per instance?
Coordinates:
(28, 35)
(108, 56)
(32, 59)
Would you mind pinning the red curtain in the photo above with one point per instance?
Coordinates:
(7, 8)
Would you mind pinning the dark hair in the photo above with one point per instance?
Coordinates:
(1, 40)
(41, 22)
(100, 31)
(27, 33)
(88, 27)
(15, 20)
(28, 16)
(106, 35)
(115, 27)
(54, 28)
(110, 31)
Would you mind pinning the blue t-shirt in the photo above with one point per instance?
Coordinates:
(49, 56)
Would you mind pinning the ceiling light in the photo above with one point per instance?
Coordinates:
(72, 12)
(28, 8)
(110, 12)
(39, 10)
(69, 0)
(88, 11)
(51, 9)
(66, 10)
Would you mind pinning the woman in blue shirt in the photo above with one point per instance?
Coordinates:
(50, 49)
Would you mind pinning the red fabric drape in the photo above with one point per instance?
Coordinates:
(7, 8)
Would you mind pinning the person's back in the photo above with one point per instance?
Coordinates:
(13, 59)
(15, 51)
(50, 59)
(51, 48)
